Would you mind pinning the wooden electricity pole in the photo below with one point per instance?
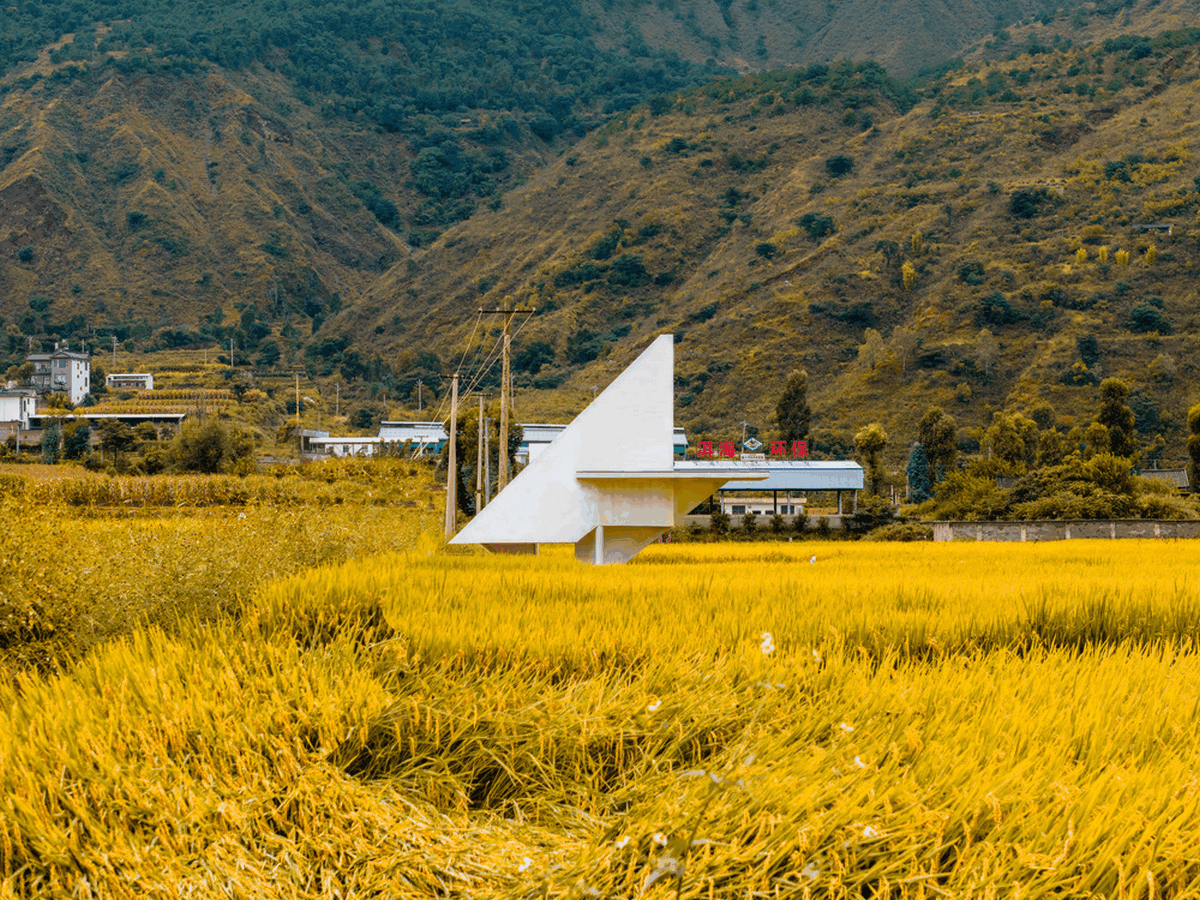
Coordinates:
(479, 459)
(452, 464)
(505, 375)
(487, 464)
(505, 392)
(299, 435)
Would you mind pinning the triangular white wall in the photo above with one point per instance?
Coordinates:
(627, 428)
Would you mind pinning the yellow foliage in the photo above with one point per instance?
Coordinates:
(909, 274)
(1081, 255)
(1122, 257)
(1102, 253)
(473, 724)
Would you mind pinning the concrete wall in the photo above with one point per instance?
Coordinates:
(764, 522)
(1065, 530)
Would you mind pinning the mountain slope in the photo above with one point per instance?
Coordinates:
(174, 200)
(753, 35)
(726, 221)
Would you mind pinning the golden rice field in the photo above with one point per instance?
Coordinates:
(711, 720)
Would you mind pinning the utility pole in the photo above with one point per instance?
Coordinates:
(299, 436)
(114, 353)
(452, 461)
(479, 459)
(337, 403)
(419, 383)
(487, 464)
(231, 353)
(504, 402)
(505, 392)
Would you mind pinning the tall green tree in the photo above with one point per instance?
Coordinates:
(1193, 445)
(76, 438)
(938, 435)
(919, 487)
(116, 437)
(870, 442)
(51, 438)
(1116, 415)
(209, 447)
(1013, 439)
(792, 413)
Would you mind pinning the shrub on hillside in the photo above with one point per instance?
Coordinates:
(1028, 202)
(901, 531)
(210, 447)
(839, 165)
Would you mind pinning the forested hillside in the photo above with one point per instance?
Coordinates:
(340, 188)
(1023, 231)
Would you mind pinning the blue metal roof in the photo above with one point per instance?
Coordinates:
(785, 474)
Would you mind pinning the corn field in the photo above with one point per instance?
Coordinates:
(801, 720)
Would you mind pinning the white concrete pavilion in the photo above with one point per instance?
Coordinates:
(608, 483)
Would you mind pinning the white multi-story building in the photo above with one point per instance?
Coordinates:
(138, 381)
(16, 406)
(63, 371)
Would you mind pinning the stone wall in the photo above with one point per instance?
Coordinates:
(1066, 529)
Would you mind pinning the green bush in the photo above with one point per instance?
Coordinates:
(901, 531)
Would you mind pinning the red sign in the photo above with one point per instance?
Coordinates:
(728, 450)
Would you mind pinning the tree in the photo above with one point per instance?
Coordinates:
(870, 442)
(1116, 415)
(532, 357)
(1045, 416)
(51, 437)
(97, 380)
(1096, 440)
(116, 437)
(792, 413)
(817, 225)
(869, 349)
(1013, 439)
(76, 438)
(1193, 445)
(938, 436)
(209, 447)
(917, 472)
(904, 341)
(839, 165)
(908, 274)
(1028, 202)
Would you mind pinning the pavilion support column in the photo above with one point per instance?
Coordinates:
(839, 498)
(599, 545)
(775, 502)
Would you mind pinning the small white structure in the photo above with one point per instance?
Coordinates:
(138, 381)
(608, 483)
(537, 436)
(424, 437)
(16, 406)
(345, 446)
(63, 371)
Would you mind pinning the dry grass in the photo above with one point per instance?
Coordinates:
(924, 721)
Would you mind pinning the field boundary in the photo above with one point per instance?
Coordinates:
(1066, 529)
